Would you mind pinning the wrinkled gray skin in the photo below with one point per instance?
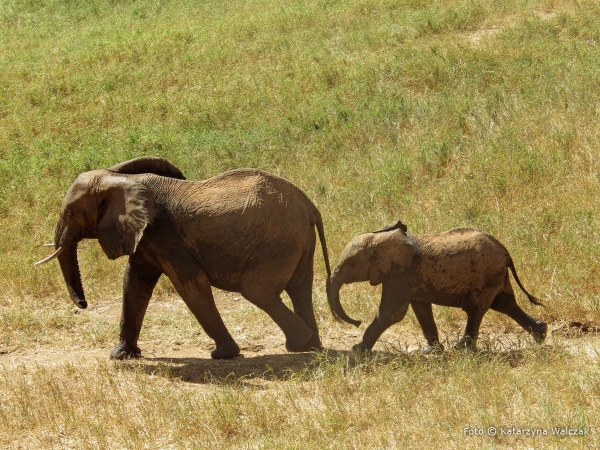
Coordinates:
(463, 267)
(245, 231)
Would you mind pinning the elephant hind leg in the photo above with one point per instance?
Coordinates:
(506, 303)
(297, 333)
(469, 338)
(197, 295)
(301, 296)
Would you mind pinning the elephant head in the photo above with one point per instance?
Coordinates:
(373, 257)
(109, 206)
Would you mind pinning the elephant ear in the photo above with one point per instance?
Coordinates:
(392, 254)
(126, 209)
(149, 164)
(393, 226)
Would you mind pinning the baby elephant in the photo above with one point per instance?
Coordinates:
(462, 267)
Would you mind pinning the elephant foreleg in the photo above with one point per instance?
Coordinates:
(393, 308)
(424, 313)
(138, 283)
(469, 339)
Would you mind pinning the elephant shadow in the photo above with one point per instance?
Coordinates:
(250, 371)
(255, 371)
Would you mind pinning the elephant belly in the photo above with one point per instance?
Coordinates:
(230, 282)
(437, 297)
(238, 275)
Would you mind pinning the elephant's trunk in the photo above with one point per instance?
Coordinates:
(66, 239)
(70, 270)
(333, 297)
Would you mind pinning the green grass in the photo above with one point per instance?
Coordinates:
(440, 114)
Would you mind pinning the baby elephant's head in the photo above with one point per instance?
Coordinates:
(372, 257)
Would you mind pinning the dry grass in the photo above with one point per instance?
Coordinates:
(57, 389)
(295, 401)
(441, 114)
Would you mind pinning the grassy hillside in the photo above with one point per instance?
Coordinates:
(441, 114)
(458, 113)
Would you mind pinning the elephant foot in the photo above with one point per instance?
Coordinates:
(309, 348)
(124, 351)
(539, 332)
(225, 350)
(301, 341)
(466, 343)
(361, 349)
(313, 345)
(431, 349)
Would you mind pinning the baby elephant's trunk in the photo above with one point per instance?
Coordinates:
(333, 297)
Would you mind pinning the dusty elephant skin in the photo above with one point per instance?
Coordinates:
(245, 231)
(463, 267)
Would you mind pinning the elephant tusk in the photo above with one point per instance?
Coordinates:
(49, 245)
(51, 257)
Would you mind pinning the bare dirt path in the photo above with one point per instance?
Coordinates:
(264, 352)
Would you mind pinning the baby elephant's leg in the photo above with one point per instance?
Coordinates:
(424, 313)
(506, 303)
(393, 307)
(479, 303)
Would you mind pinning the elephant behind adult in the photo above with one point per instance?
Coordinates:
(463, 267)
(245, 231)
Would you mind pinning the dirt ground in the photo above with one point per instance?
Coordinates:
(265, 353)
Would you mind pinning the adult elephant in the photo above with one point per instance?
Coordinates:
(463, 267)
(245, 231)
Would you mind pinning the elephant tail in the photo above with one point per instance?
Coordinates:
(319, 224)
(531, 298)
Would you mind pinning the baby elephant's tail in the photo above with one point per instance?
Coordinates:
(531, 298)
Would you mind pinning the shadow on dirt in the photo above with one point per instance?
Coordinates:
(306, 366)
(275, 367)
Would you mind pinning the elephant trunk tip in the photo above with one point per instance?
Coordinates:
(78, 298)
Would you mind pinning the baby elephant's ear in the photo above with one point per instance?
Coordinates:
(393, 253)
(393, 226)
(127, 207)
